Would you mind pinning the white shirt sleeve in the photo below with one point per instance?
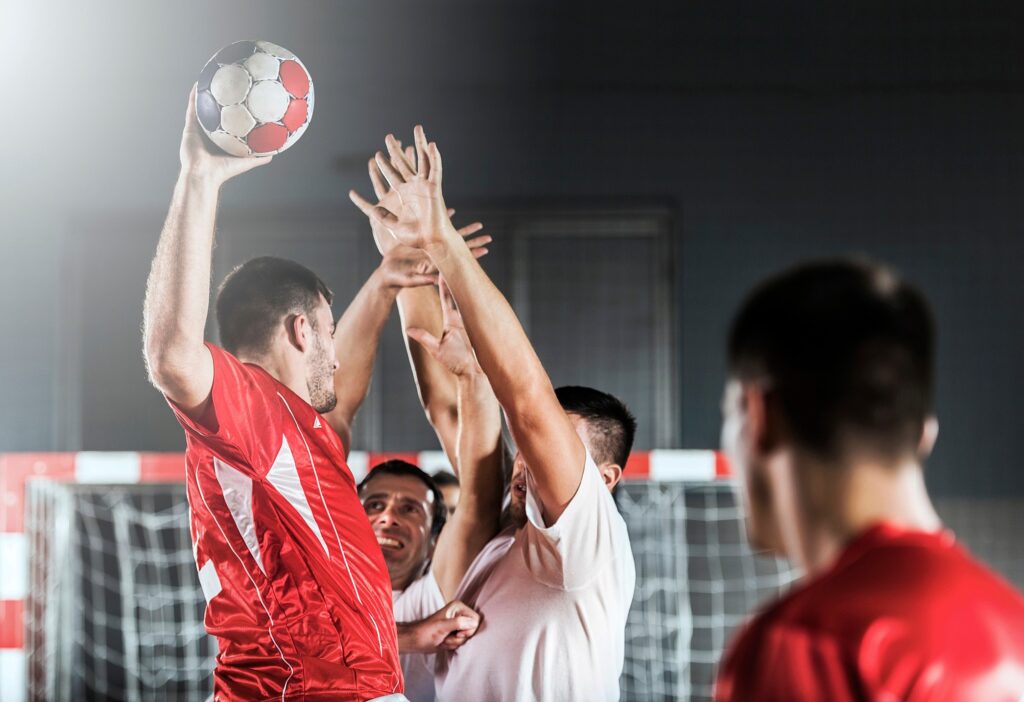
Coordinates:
(588, 536)
(418, 601)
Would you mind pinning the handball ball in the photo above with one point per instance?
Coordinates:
(254, 98)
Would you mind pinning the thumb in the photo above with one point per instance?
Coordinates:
(247, 164)
(425, 339)
(463, 623)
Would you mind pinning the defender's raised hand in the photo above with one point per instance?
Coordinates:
(452, 350)
(419, 217)
(387, 197)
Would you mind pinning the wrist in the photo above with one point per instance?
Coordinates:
(442, 247)
(381, 283)
(409, 640)
(472, 378)
(198, 179)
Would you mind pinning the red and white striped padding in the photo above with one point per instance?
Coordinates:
(124, 467)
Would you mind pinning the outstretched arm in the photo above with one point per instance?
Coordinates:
(479, 451)
(542, 430)
(420, 308)
(357, 333)
(178, 289)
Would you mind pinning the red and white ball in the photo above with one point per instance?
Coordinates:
(254, 98)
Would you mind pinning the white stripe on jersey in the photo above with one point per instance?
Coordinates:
(344, 558)
(284, 476)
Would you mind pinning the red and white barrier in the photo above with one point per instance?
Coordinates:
(16, 469)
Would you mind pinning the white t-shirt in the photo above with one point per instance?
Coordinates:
(418, 601)
(553, 603)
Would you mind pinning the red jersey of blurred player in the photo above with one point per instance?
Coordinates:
(901, 615)
(827, 421)
(298, 592)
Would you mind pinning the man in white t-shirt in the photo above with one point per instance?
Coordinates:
(553, 593)
(407, 514)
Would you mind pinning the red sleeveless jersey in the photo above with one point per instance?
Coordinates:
(901, 615)
(298, 594)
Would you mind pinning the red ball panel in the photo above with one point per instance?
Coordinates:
(267, 137)
(294, 78)
(295, 117)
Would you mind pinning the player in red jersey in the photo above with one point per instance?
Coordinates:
(298, 593)
(828, 418)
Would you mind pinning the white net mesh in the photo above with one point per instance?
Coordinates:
(696, 581)
(115, 608)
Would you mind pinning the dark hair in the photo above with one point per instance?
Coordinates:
(399, 467)
(612, 426)
(847, 351)
(257, 295)
(443, 478)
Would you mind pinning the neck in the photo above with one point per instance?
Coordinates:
(400, 581)
(831, 505)
(278, 365)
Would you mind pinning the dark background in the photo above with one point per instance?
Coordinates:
(769, 131)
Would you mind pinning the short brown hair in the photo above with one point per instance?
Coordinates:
(257, 295)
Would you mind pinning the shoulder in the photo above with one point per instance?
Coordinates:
(591, 505)
(229, 368)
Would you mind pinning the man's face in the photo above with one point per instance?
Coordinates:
(517, 500)
(322, 360)
(451, 498)
(400, 509)
(754, 491)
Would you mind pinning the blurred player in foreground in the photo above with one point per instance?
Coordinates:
(554, 589)
(827, 419)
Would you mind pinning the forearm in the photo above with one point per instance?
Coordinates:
(479, 452)
(421, 308)
(408, 641)
(543, 432)
(502, 347)
(178, 288)
(356, 339)
(479, 462)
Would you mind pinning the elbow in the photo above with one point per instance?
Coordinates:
(166, 368)
(530, 397)
(161, 373)
(442, 414)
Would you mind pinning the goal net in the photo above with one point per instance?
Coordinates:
(115, 610)
(697, 580)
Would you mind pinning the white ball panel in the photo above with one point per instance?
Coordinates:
(230, 84)
(275, 50)
(268, 101)
(233, 145)
(262, 66)
(236, 120)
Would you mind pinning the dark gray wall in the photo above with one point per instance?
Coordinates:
(778, 131)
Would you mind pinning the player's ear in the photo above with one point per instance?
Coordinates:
(762, 420)
(298, 329)
(929, 435)
(611, 473)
